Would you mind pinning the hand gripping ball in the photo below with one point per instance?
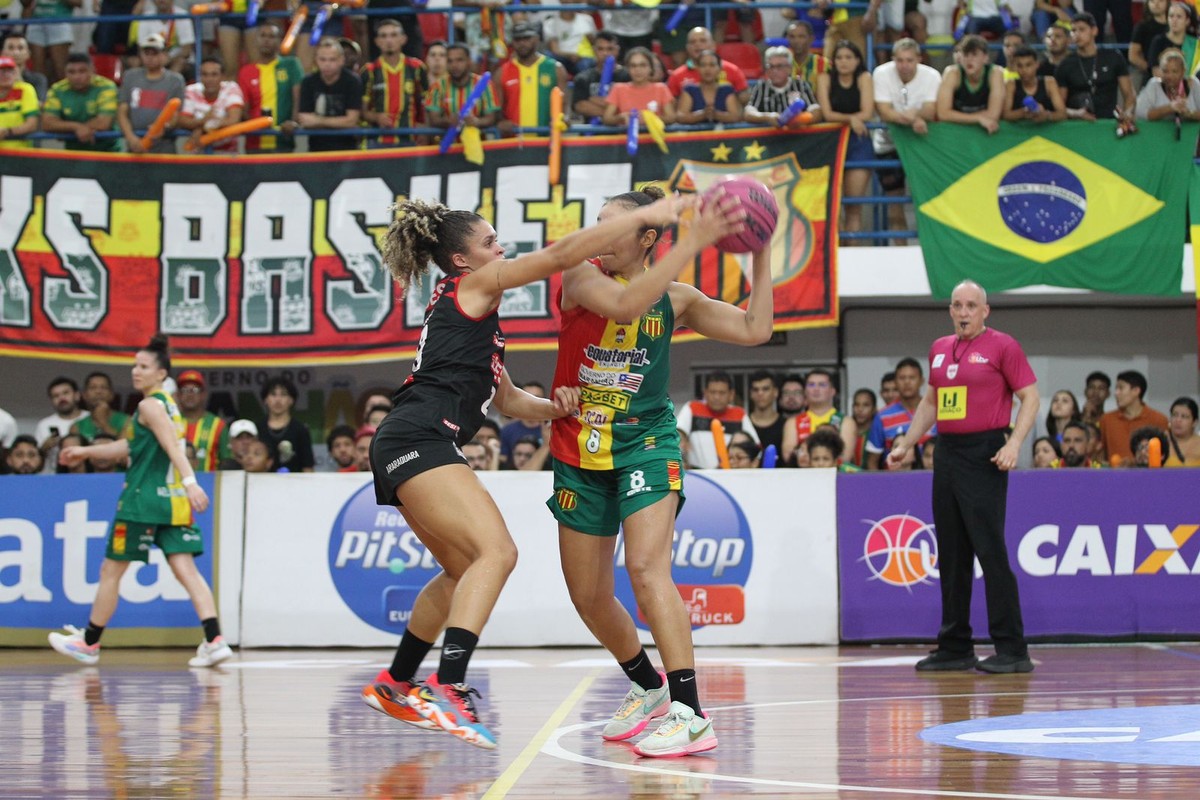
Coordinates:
(762, 214)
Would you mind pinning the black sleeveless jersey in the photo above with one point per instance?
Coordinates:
(457, 369)
(968, 100)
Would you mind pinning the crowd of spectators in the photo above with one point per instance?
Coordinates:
(382, 73)
(273, 441)
(792, 420)
(798, 420)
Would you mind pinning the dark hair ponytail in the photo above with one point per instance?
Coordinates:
(648, 194)
(160, 348)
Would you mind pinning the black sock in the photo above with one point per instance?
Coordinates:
(641, 671)
(683, 688)
(457, 648)
(212, 628)
(92, 633)
(409, 655)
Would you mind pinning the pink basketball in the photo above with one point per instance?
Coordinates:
(762, 214)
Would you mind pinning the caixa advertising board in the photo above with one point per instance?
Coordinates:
(1097, 553)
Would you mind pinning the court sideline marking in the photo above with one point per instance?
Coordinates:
(521, 763)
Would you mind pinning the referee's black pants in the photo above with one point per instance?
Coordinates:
(969, 499)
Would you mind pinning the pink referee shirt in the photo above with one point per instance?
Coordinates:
(975, 380)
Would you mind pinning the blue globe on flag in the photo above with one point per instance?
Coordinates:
(1041, 201)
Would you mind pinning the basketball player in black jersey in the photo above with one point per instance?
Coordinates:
(457, 374)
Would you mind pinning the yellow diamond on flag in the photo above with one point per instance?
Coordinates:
(1041, 201)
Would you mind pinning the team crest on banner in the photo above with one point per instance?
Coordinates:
(803, 250)
(653, 325)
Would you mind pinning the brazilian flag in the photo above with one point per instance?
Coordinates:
(1062, 204)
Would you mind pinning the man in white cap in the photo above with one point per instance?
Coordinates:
(242, 434)
(145, 92)
(178, 35)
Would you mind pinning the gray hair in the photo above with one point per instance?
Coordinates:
(1172, 54)
(907, 43)
(777, 51)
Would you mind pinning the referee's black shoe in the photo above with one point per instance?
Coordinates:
(942, 661)
(1005, 664)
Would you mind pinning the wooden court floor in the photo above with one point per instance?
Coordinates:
(849, 722)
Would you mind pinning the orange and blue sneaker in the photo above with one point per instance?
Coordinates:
(682, 733)
(73, 646)
(450, 706)
(639, 707)
(390, 697)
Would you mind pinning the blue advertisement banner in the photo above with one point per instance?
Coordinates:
(1097, 553)
(53, 530)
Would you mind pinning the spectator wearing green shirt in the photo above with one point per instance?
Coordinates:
(99, 397)
(82, 104)
(271, 88)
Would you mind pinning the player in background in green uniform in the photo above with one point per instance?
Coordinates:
(619, 463)
(155, 507)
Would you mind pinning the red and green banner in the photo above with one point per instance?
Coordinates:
(258, 260)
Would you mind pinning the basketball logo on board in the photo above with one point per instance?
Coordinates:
(901, 550)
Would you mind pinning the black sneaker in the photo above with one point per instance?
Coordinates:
(941, 661)
(1005, 664)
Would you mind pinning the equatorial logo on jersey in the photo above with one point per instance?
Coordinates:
(653, 324)
(567, 499)
(977, 358)
(615, 358)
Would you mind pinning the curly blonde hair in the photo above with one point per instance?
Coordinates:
(422, 232)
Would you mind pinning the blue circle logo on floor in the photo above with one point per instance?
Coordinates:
(1166, 735)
